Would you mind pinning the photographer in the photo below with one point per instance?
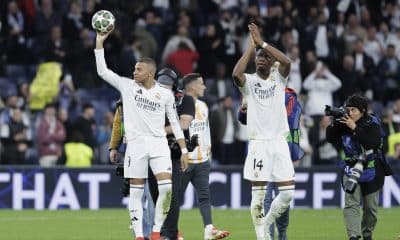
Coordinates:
(117, 150)
(359, 135)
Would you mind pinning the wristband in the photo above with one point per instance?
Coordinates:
(264, 45)
(184, 150)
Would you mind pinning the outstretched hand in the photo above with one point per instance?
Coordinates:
(101, 37)
(255, 34)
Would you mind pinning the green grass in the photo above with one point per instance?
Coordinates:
(113, 224)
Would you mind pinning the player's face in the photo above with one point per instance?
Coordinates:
(199, 87)
(142, 72)
(263, 60)
(354, 113)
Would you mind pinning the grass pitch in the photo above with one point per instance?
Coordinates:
(112, 224)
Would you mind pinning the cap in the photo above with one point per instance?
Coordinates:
(167, 76)
(357, 101)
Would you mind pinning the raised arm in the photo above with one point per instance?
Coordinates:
(284, 67)
(241, 65)
(102, 69)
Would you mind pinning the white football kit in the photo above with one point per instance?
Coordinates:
(200, 126)
(268, 157)
(144, 120)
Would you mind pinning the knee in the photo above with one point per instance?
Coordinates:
(164, 186)
(286, 194)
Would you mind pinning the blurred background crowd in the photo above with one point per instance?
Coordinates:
(51, 95)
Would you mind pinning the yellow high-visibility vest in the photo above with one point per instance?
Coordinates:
(78, 155)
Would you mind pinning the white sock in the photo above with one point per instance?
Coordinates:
(257, 209)
(136, 209)
(163, 203)
(279, 204)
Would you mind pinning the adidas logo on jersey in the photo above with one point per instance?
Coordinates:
(257, 85)
(139, 91)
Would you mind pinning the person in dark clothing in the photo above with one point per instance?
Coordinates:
(186, 112)
(359, 135)
(87, 125)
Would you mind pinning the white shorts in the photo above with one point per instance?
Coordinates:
(145, 151)
(268, 160)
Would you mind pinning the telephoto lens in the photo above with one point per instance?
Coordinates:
(351, 183)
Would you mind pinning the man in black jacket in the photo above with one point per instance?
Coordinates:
(359, 135)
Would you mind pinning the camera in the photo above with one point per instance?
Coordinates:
(355, 174)
(191, 144)
(336, 112)
(119, 171)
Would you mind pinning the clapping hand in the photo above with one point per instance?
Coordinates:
(255, 34)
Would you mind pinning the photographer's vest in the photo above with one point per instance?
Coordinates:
(352, 150)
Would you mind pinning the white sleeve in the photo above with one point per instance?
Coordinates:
(308, 83)
(105, 73)
(334, 82)
(170, 109)
(245, 88)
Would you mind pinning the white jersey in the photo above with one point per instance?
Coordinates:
(144, 109)
(200, 126)
(266, 111)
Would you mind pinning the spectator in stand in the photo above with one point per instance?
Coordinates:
(56, 47)
(320, 84)
(183, 60)
(86, 125)
(208, 46)
(364, 66)
(16, 44)
(15, 138)
(155, 27)
(46, 17)
(73, 21)
(129, 56)
(220, 86)
(174, 42)
(23, 96)
(148, 45)
(322, 36)
(228, 26)
(51, 136)
(350, 79)
(385, 37)
(353, 32)
(63, 116)
(295, 80)
(223, 121)
(389, 75)
(372, 46)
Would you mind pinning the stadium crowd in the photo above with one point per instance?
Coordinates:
(337, 48)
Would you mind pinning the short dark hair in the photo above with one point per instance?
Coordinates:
(149, 61)
(87, 105)
(188, 78)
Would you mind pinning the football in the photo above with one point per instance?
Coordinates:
(103, 21)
